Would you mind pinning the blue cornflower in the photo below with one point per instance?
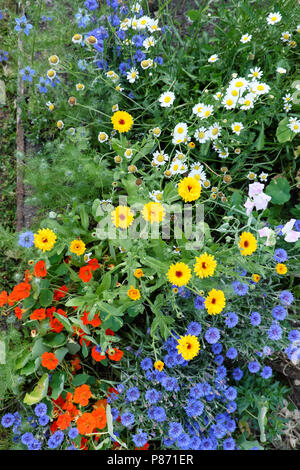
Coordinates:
(218, 430)
(231, 407)
(43, 420)
(219, 359)
(275, 332)
(267, 351)
(18, 418)
(280, 255)
(73, 433)
(286, 297)
(139, 55)
(230, 393)
(82, 64)
(255, 318)
(217, 348)
(133, 394)
(114, 413)
(3, 56)
(194, 328)
(212, 335)
(8, 420)
(199, 303)
(206, 444)
(170, 384)
(229, 444)
(159, 60)
(297, 225)
(26, 239)
(220, 418)
(231, 319)
(230, 425)
(23, 25)
(140, 439)
(195, 442)
(241, 271)
(27, 438)
(127, 418)
(91, 4)
(159, 414)
(231, 353)
(175, 430)
(121, 34)
(146, 363)
(221, 372)
(279, 312)
(237, 374)
(34, 445)
(120, 388)
(294, 335)
(253, 367)
(138, 40)
(72, 447)
(152, 396)
(183, 441)
(114, 20)
(240, 288)
(27, 74)
(169, 360)
(56, 439)
(40, 409)
(82, 17)
(194, 408)
(278, 229)
(266, 373)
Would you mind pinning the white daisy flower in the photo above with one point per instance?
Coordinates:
(77, 38)
(199, 175)
(214, 131)
(143, 22)
(251, 175)
(180, 130)
(80, 86)
(239, 83)
(287, 107)
(176, 250)
(273, 18)
(179, 156)
(246, 38)
(183, 168)
(175, 167)
(207, 111)
(102, 137)
(149, 42)
(87, 257)
(263, 176)
(280, 70)
(213, 58)
(156, 196)
(156, 131)
(132, 75)
(229, 102)
(287, 98)
(237, 127)
(153, 25)
(260, 88)
(285, 36)
(201, 135)
(294, 125)
(115, 108)
(198, 109)
(166, 99)
(51, 74)
(247, 102)
(128, 153)
(125, 24)
(223, 153)
(160, 158)
(53, 60)
(256, 73)
(217, 96)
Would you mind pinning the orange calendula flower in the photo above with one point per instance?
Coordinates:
(247, 244)
(255, 277)
(77, 247)
(49, 360)
(138, 273)
(133, 293)
(159, 365)
(215, 302)
(179, 274)
(122, 121)
(189, 189)
(281, 268)
(82, 395)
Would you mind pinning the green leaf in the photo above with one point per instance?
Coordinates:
(284, 133)
(84, 218)
(64, 321)
(39, 391)
(45, 297)
(60, 353)
(81, 379)
(279, 190)
(54, 339)
(22, 361)
(259, 144)
(57, 384)
(73, 348)
(105, 284)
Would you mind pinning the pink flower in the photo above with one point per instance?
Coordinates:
(259, 199)
(255, 188)
(290, 235)
(270, 234)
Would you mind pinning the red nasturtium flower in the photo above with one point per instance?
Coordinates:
(94, 322)
(82, 395)
(38, 314)
(86, 423)
(100, 417)
(117, 355)
(19, 312)
(85, 273)
(64, 421)
(20, 291)
(40, 269)
(60, 293)
(96, 354)
(49, 361)
(3, 298)
(93, 263)
(75, 364)
(55, 324)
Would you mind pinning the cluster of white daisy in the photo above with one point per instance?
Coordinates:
(253, 176)
(243, 92)
(287, 102)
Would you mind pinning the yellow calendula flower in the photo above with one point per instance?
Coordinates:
(159, 365)
(122, 217)
(255, 277)
(179, 274)
(133, 293)
(122, 121)
(189, 189)
(205, 265)
(188, 347)
(215, 302)
(247, 243)
(77, 247)
(153, 212)
(281, 268)
(138, 273)
(45, 239)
